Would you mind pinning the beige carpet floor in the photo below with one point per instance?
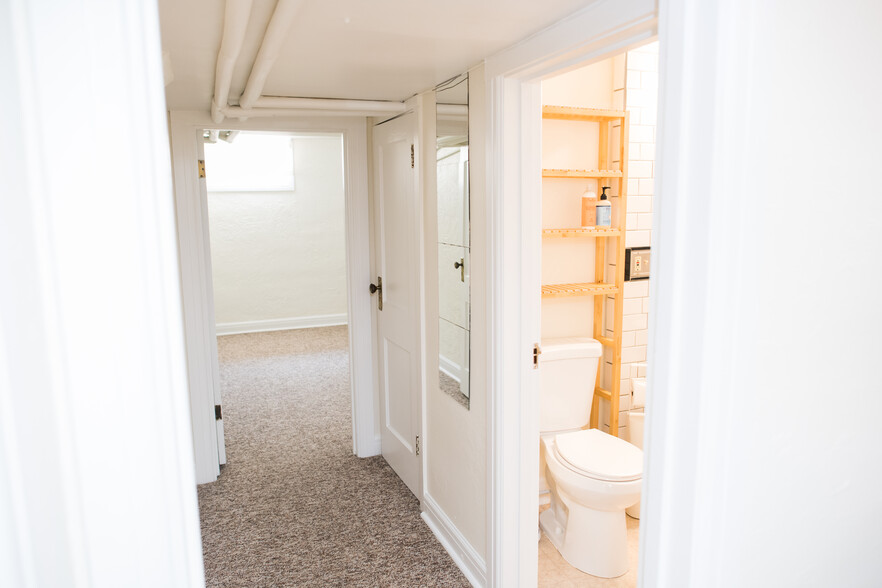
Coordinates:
(293, 506)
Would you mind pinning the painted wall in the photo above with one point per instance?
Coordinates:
(456, 450)
(278, 255)
(572, 145)
(624, 82)
(763, 432)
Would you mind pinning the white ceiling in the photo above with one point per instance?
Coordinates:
(365, 49)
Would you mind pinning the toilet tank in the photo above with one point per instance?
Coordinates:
(568, 373)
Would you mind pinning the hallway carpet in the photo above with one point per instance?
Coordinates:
(293, 506)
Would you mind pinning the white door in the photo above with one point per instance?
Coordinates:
(396, 217)
(207, 310)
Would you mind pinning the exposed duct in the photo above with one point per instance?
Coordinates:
(251, 103)
(374, 106)
(273, 39)
(236, 17)
(242, 113)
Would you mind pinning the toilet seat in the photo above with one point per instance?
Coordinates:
(600, 456)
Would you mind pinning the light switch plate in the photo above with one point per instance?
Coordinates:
(637, 263)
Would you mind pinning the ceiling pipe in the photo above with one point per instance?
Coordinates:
(273, 39)
(236, 18)
(372, 106)
(243, 113)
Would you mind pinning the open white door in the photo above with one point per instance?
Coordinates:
(397, 299)
(208, 310)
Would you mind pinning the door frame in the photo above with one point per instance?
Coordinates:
(513, 86)
(196, 282)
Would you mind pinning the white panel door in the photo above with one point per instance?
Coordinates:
(396, 217)
(207, 310)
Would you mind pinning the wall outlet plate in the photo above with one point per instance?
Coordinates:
(637, 263)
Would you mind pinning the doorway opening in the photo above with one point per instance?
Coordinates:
(276, 214)
(598, 158)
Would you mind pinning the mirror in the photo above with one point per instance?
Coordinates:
(454, 265)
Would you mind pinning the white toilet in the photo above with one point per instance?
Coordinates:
(592, 476)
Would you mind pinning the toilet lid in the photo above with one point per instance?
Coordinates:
(601, 456)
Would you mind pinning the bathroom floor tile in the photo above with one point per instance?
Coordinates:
(555, 572)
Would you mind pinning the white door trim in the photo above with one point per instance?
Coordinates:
(513, 202)
(192, 209)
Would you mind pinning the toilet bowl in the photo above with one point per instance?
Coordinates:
(592, 476)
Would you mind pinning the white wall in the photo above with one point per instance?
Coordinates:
(278, 257)
(570, 145)
(97, 482)
(764, 443)
(456, 437)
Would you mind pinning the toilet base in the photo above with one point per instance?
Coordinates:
(592, 541)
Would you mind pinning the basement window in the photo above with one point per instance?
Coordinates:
(249, 162)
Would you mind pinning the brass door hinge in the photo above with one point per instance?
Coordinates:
(201, 168)
(537, 351)
(411, 156)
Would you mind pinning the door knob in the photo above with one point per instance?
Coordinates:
(460, 265)
(378, 289)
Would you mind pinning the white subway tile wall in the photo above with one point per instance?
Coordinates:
(635, 238)
(637, 203)
(634, 322)
(636, 289)
(640, 100)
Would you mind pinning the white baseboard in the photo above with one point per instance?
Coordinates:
(283, 324)
(452, 369)
(370, 450)
(464, 555)
(455, 371)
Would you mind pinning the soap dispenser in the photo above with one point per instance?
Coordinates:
(604, 210)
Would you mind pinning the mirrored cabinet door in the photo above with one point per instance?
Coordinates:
(452, 99)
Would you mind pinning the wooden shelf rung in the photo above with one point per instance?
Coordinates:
(581, 114)
(581, 173)
(580, 289)
(593, 233)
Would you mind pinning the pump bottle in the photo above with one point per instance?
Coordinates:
(604, 210)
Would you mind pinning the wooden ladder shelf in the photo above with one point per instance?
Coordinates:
(604, 286)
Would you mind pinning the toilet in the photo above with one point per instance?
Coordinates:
(592, 476)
